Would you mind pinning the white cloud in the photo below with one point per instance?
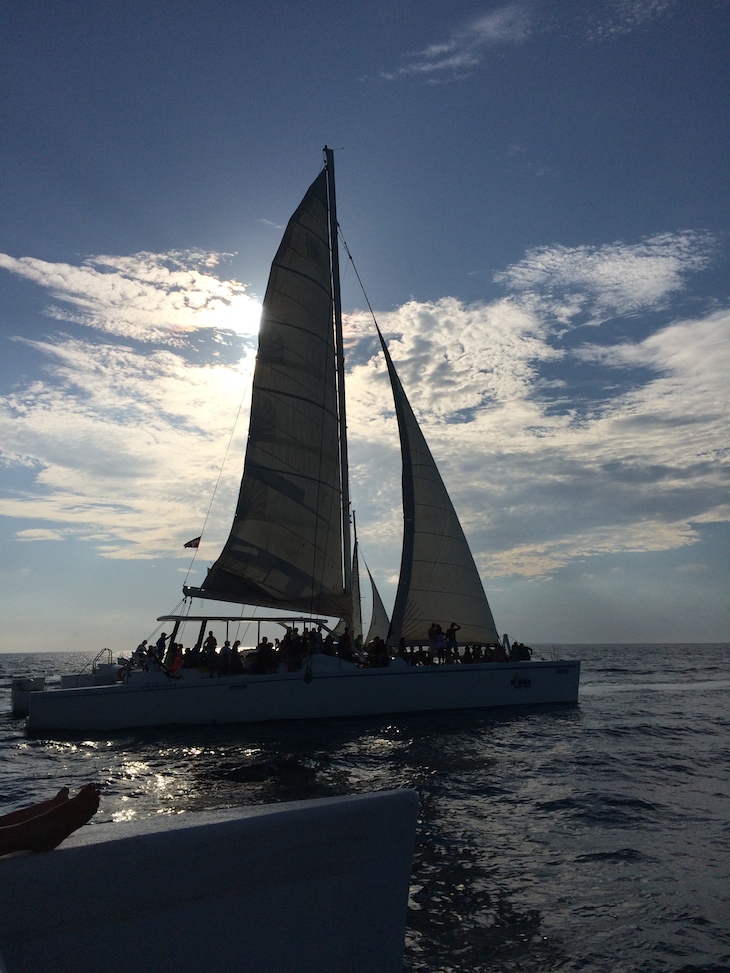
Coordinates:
(126, 447)
(537, 487)
(613, 279)
(454, 357)
(467, 45)
(146, 296)
(616, 17)
(541, 559)
(39, 534)
(121, 449)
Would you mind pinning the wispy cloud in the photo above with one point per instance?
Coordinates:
(692, 568)
(39, 534)
(146, 296)
(539, 488)
(467, 45)
(613, 18)
(616, 278)
(119, 446)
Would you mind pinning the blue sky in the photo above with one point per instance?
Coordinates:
(535, 195)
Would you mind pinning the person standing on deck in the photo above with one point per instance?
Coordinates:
(209, 651)
(452, 646)
(160, 646)
(432, 640)
(139, 653)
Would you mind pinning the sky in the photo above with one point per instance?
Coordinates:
(535, 195)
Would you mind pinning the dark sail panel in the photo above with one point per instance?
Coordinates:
(285, 546)
(439, 581)
(379, 621)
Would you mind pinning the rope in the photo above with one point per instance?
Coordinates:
(173, 612)
(359, 280)
(217, 483)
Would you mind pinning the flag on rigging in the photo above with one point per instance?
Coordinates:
(195, 542)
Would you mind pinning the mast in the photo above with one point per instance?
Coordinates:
(356, 627)
(340, 365)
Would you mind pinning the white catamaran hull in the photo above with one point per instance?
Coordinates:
(290, 546)
(336, 690)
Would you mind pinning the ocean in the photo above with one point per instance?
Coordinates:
(591, 838)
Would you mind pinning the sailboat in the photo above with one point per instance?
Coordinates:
(290, 547)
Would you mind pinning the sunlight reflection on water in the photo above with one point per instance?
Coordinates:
(588, 838)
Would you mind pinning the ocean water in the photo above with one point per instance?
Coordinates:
(591, 838)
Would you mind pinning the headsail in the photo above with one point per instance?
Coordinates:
(285, 546)
(353, 620)
(379, 621)
(439, 581)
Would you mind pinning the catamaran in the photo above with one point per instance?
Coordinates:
(291, 547)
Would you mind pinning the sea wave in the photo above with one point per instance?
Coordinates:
(592, 838)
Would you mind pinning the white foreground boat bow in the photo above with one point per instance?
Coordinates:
(317, 886)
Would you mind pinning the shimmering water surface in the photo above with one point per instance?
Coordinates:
(594, 838)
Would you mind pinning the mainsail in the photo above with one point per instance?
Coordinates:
(285, 546)
(439, 581)
(289, 546)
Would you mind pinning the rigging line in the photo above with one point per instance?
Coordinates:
(370, 308)
(248, 623)
(218, 480)
(173, 612)
(359, 279)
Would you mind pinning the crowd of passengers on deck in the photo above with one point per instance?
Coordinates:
(290, 653)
